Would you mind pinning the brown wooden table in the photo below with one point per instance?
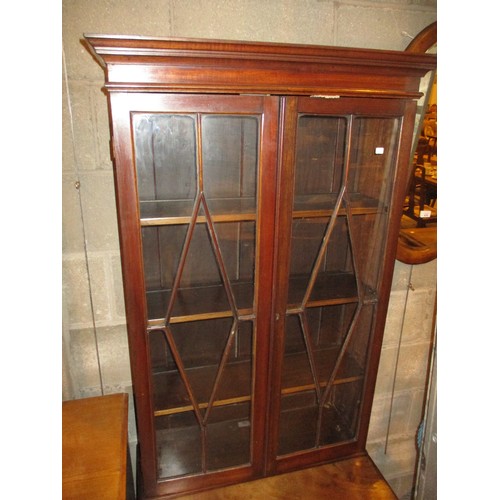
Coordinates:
(94, 448)
(352, 479)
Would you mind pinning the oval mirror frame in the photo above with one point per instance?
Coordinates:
(419, 245)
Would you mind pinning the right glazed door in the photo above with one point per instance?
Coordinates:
(338, 171)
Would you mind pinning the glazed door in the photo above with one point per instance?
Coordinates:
(337, 183)
(205, 198)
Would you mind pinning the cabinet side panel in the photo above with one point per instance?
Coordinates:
(133, 282)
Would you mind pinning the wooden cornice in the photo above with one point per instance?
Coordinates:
(134, 63)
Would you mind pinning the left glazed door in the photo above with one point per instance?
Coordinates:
(196, 184)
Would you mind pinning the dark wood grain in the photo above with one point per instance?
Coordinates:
(225, 67)
(424, 40)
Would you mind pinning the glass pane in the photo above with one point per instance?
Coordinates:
(333, 259)
(201, 355)
(343, 172)
(198, 216)
(178, 445)
(201, 289)
(313, 370)
(202, 396)
(165, 151)
(321, 144)
(373, 149)
(324, 328)
(230, 159)
(372, 162)
(228, 436)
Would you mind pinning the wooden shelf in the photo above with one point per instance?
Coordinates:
(169, 212)
(210, 302)
(332, 288)
(172, 212)
(171, 396)
(297, 375)
(200, 303)
(322, 205)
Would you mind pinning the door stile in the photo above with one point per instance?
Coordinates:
(283, 222)
(263, 324)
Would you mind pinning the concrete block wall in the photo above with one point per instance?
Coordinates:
(95, 352)
(400, 390)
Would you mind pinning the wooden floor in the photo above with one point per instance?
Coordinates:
(354, 479)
